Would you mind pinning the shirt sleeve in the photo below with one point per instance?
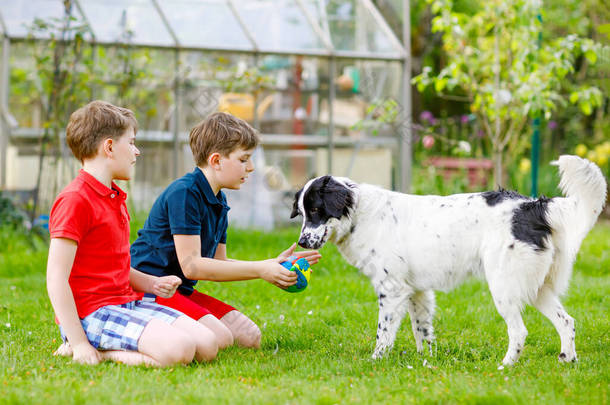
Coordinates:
(183, 212)
(70, 217)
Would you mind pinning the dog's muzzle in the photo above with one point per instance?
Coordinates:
(305, 242)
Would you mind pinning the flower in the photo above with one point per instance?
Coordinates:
(428, 141)
(581, 150)
(553, 125)
(426, 116)
(464, 147)
(525, 165)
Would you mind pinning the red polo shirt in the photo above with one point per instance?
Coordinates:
(96, 218)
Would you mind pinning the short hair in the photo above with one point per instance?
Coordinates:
(223, 133)
(95, 122)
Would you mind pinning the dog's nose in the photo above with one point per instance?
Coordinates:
(303, 241)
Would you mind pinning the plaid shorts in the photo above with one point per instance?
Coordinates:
(119, 327)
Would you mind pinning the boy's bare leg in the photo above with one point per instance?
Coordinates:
(244, 330)
(203, 338)
(129, 358)
(224, 337)
(119, 356)
(167, 344)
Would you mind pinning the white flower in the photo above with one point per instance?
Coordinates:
(464, 146)
(258, 307)
(504, 97)
(310, 312)
(13, 287)
(8, 325)
(281, 317)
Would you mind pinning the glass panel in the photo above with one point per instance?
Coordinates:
(126, 21)
(19, 16)
(205, 24)
(279, 26)
(352, 27)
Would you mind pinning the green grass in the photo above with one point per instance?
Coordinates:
(316, 345)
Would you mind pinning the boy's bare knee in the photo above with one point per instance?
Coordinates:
(207, 349)
(250, 336)
(167, 345)
(181, 350)
(224, 337)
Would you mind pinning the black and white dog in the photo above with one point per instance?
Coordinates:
(411, 245)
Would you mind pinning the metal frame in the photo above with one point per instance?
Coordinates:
(330, 53)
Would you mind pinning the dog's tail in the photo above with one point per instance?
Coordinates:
(571, 218)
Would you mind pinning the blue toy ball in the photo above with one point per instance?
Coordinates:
(301, 267)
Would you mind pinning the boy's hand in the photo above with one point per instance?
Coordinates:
(312, 256)
(272, 271)
(84, 353)
(165, 287)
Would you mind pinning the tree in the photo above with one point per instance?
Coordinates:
(495, 59)
(63, 74)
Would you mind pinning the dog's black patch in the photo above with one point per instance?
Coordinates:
(325, 198)
(496, 197)
(530, 224)
(295, 205)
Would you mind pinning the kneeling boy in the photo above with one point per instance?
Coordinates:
(99, 313)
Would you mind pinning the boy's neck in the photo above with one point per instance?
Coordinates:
(211, 178)
(99, 171)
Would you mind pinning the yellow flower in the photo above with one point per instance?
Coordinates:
(525, 165)
(581, 150)
(592, 156)
(603, 153)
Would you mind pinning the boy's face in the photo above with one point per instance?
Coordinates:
(124, 155)
(235, 168)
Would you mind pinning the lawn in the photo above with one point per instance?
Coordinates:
(317, 344)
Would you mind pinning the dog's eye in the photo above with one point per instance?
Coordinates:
(314, 210)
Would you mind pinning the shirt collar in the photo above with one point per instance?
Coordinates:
(100, 188)
(206, 189)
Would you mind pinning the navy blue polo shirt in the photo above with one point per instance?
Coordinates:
(188, 206)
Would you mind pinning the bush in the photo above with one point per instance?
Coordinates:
(10, 215)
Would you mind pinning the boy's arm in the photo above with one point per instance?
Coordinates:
(195, 267)
(312, 256)
(61, 257)
(164, 287)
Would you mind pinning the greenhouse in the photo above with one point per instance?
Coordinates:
(317, 78)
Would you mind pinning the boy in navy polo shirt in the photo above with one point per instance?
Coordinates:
(100, 315)
(186, 232)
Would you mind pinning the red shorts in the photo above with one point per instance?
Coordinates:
(196, 305)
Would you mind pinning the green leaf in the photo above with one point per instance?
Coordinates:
(586, 108)
(591, 56)
(440, 84)
(574, 98)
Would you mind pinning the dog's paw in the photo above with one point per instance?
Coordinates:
(378, 353)
(567, 358)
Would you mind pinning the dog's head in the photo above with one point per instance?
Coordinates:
(326, 204)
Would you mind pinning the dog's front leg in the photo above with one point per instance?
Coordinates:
(392, 308)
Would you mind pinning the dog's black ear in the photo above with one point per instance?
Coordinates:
(295, 205)
(338, 199)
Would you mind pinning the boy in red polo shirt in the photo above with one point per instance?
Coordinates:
(88, 270)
